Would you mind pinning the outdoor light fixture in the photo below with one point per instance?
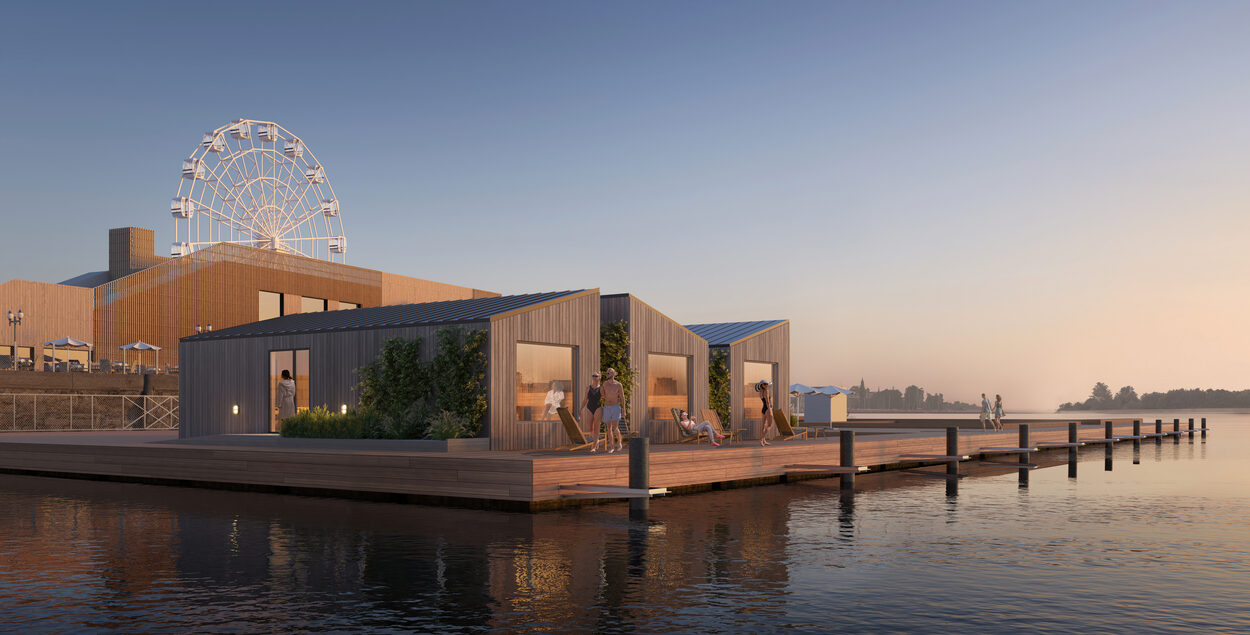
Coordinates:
(235, 409)
(210, 328)
(343, 409)
(199, 329)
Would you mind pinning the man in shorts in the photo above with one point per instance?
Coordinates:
(613, 395)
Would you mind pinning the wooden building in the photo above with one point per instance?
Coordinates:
(671, 365)
(49, 312)
(542, 349)
(159, 300)
(753, 351)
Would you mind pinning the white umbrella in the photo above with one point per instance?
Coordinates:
(801, 389)
(67, 342)
(141, 346)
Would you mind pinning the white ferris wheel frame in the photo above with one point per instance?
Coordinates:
(252, 182)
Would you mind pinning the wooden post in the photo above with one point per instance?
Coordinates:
(639, 477)
(1204, 427)
(1158, 430)
(1024, 456)
(1176, 427)
(1106, 464)
(1110, 431)
(952, 449)
(1072, 451)
(846, 452)
(1191, 427)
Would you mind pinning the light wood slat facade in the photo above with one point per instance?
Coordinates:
(51, 311)
(770, 346)
(650, 331)
(220, 285)
(569, 321)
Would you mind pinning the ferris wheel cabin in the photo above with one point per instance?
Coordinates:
(267, 132)
(315, 174)
(240, 130)
(213, 142)
(330, 207)
(182, 207)
(178, 250)
(193, 169)
(293, 148)
(338, 245)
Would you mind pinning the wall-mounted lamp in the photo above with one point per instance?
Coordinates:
(209, 328)
(234, 409)
(343, 409)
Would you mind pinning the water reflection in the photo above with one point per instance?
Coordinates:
(90, 556)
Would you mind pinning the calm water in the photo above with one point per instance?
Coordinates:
(1156, 545)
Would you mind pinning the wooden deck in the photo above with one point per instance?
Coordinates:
(520, 480)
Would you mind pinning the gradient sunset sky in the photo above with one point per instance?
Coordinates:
(1011, 197)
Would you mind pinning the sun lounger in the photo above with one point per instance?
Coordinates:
(784, 430)
(578, 438)
(684, 435)
(710, 415)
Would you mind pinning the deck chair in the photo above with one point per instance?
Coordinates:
(731, 435)
(784, 429)
(684, 435)
(577, 436)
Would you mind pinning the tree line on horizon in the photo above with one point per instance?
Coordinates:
(1101, 398)
(912, 398)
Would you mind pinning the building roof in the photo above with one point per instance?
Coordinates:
(91, 279)
(726, 333)
(395, 316)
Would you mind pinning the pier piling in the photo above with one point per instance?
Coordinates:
(1191, 428)
(1158, 431)
(1176, 427)
(1024, 456)
(846, 452)
(1110, 427)
(1204, 427)
(952, 449)
(1072, 425)
(639, 477)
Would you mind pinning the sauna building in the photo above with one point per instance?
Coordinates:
(542, 348)
(752, 351)
(670, 362)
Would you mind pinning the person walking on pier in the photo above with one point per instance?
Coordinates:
(998, 412)
(593, 408)
(613, 397)
(985, 411)
(761, 389)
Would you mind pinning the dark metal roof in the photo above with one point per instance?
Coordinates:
(726, 333)
(381, 317)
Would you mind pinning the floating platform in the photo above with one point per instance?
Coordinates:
(406, 471)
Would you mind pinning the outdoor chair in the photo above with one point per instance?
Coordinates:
(710, 415)
(784, 430)
(577, 436)
(684, 435)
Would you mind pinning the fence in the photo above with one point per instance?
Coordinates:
(87, 412)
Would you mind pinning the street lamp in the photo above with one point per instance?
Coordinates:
(14, 321)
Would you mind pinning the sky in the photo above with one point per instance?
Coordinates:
(1020, 198)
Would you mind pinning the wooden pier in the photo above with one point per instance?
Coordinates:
(520, 480)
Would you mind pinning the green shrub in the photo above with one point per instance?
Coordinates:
(718, 385)
(458, 376)
(447, 425)
(614, 353)
(320, 423)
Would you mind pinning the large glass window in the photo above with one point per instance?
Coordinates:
(544, 381)
(752, 373)
(668, 385)
(270, 305)
(296, 362)
(312, 305)
(343, 306)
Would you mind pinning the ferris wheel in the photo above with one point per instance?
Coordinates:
(254, 183)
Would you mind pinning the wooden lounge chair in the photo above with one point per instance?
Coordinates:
(577, 436)
(710, 415)
(784, 430)
(684, 435)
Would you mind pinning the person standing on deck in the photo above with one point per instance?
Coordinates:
(613, 397)
(286, 396)
(985, 410)
(998, 412)
(761, 389)
(593, 409)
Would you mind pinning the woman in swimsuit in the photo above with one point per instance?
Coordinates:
(761, 389)
(593, 408)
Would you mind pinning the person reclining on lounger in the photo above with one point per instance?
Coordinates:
(705, 427)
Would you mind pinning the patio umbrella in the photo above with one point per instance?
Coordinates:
(67, 342)
(141, 346)
(801, 389)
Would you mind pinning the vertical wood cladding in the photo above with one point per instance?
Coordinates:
(50, 312)
(770, 346)
(652, 332)
(220, 285)
(217, 374)
(569, 321)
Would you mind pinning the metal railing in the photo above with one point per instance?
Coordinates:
(26, 412)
